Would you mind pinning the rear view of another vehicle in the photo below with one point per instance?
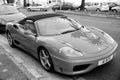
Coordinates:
(9, 14)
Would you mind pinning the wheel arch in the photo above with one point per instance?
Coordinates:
(38, 49)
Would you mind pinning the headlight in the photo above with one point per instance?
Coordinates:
(68, 51)
(2, 22)
(108, 38)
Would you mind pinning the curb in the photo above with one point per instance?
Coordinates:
(91, 14)
(8, 69)
(29, 70)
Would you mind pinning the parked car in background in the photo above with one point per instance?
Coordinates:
(112, 5)
(39, 7)
(63, 7)
(9, 14)
(116, 9)
(61, 43)
(97, 7)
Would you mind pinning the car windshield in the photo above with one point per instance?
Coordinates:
(6, 10)
(57, 25)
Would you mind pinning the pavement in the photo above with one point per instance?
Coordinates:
(8, 69)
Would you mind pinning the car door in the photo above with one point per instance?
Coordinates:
(29, 37)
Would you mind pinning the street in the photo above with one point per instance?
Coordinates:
(109, 71)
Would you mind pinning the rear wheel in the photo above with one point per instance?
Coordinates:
(10, 40)
(114, 10)
(29, 9)
(45, 59)
(98, 10)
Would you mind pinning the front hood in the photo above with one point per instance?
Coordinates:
(12, 17)
(84, 40)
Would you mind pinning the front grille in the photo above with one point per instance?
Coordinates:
(81, 67)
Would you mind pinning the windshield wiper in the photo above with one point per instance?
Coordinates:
(68, 31)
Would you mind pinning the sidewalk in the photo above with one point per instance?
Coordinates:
(8, 69)
(91, 13)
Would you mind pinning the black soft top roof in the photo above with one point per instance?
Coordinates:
(41, 16)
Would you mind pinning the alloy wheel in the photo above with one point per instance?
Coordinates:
(45, 60)
(10, 40)
(98, 10)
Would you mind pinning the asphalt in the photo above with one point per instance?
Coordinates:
(8, 69)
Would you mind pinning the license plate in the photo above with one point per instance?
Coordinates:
(103, 61)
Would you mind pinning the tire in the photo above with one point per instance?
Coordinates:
(114, 10)
(98, 10)
(55, 9)
(29, 9)
(45, 59)
(85, 9)
(10, 40)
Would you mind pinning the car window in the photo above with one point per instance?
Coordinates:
(29, 26)
(6, 9)
(56, 25)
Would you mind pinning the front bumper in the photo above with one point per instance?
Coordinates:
(73, 67)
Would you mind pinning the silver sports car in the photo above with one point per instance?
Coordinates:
(61, 43)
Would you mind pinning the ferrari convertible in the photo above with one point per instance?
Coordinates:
(61, 43)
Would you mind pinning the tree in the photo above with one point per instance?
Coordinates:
(25, 3)
(82, 5)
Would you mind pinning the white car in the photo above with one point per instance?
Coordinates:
(9, 14)
(116, 9)
(37, 7)
(104, 7)
(97, 7)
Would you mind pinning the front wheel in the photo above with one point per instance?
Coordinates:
(10, 40)
(45, 59)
